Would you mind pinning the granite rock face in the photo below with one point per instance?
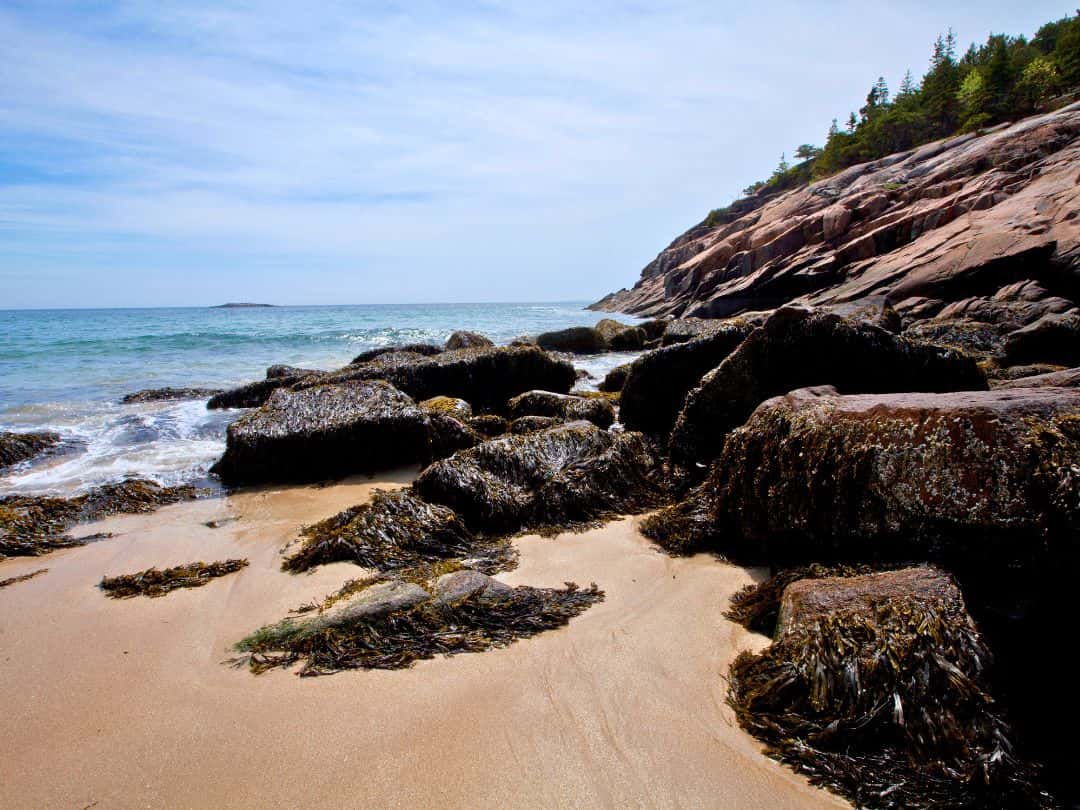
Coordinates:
(947, 223)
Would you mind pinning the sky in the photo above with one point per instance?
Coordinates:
(167, 153)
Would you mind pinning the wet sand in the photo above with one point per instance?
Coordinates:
(130, 703)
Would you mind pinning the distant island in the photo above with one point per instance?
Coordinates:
(242, 305)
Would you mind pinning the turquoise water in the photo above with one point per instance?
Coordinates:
(66, 370)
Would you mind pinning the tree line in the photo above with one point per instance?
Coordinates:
(1003, 79)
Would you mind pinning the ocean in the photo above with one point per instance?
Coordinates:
(66, 371)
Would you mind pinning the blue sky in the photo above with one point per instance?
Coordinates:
(164, 153)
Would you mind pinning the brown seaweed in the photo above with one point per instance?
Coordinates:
(154, 582)
(889, 708)
(22, 578)
(398, 639)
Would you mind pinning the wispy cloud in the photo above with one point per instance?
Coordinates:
(497, 150)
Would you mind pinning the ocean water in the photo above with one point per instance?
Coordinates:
(66, 371)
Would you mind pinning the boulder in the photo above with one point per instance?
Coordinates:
(489, 425)
(575, 340)
(167, 394)
(531, 424)
(615, 379)
(877, 685)
(619, 336)
(1053, 338)
(323, 432)
(565, 407)
(16, 447)
(799, 347)
(369, 603)
(450, 406)
(485, 377)
(467, 340)
(659, 380)
(458, 585)
(562, 477)
(448, 434)
(424, 349)
(978, 339)
(960, 476)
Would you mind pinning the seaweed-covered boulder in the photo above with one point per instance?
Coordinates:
(877, 686)
(615, 379)
(566, 407)
(466, 340)
(814, 475)
(659, 381)
(978, 339)
(798, 347)
(575, 340)
(450, 406)
(488, 424)
(378, 599)
(168, 394)
(486, 377)
(391, 531)
(254, 394)
(562, 477)
(325, 432)
(620, 336)
(1054, 338)
(423, 349)
(531, 424)
(16, 447)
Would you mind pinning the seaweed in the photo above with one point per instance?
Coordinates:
(154, 582)
(32, 525)
(22, 578)
(888, 706)
(397, 639)
(396, 530)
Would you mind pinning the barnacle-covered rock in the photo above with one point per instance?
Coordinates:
(463, 339)
(814, 474)
(659, 380)
(450, 406)
(323, 432)
(566, 407)
(798, 347)
(16, 447)
(877, 687)
(561, 477)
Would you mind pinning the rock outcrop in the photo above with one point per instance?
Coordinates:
(944, 224)
(166, 394)
(16, 447)
(324, 432)
(566, 407)
(570, 474)
(485, 377)
(816, 476)
(467, 340)
(659, 380)
(796, 348)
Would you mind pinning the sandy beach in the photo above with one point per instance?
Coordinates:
(133, 704)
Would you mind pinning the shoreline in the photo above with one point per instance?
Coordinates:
(132, 703)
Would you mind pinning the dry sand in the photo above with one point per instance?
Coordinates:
(129, 703)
